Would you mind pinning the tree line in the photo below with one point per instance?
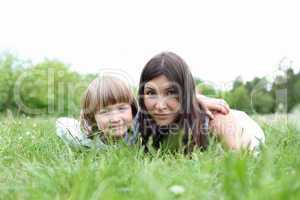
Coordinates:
(261, 95)
(50, 87)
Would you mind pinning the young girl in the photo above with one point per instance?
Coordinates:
(107, 112)
(169, 110)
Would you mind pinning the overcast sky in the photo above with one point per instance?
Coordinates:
(218, 39)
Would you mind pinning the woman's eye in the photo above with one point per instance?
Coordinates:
(171, 92)
(150, 93)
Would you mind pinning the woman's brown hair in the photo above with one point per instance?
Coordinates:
(191, 119)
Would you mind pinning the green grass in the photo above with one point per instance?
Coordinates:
(35, 164)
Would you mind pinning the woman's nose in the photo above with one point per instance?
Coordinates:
(161, 103)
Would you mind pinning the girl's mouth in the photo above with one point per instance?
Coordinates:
(117, 126)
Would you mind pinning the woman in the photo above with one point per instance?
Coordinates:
(169, 109)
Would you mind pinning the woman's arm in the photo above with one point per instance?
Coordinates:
(211, 105)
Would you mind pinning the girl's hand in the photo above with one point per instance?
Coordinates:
(213, 105)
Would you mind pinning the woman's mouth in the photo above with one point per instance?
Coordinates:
(162, 116)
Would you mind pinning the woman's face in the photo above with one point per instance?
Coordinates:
(161, 100)
(115, 119)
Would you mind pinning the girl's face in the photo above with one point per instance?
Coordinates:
(114, 120)
(161, 100)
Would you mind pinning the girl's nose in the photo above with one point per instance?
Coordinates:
(115, 118)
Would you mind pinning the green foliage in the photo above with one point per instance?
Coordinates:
(10, 68)
(296, 90)
(50, 87)
(238, 82)
(207, 90)
(262, 102)
(260, 95)
(287, 83)
(239, 99)
(197, 81)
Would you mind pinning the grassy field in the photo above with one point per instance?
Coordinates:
(35, 164)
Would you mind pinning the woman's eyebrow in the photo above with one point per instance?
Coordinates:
(171, 87)
(149, 87)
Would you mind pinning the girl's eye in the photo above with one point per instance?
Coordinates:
(123, 108)
(103, 111)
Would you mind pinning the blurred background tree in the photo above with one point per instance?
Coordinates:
(10, 69)
(239, 98)
(259, 95)
(51, 87)
(48, 87)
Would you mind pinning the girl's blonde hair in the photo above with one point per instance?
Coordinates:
(102, 92)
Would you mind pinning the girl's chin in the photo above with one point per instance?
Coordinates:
(117, 132)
